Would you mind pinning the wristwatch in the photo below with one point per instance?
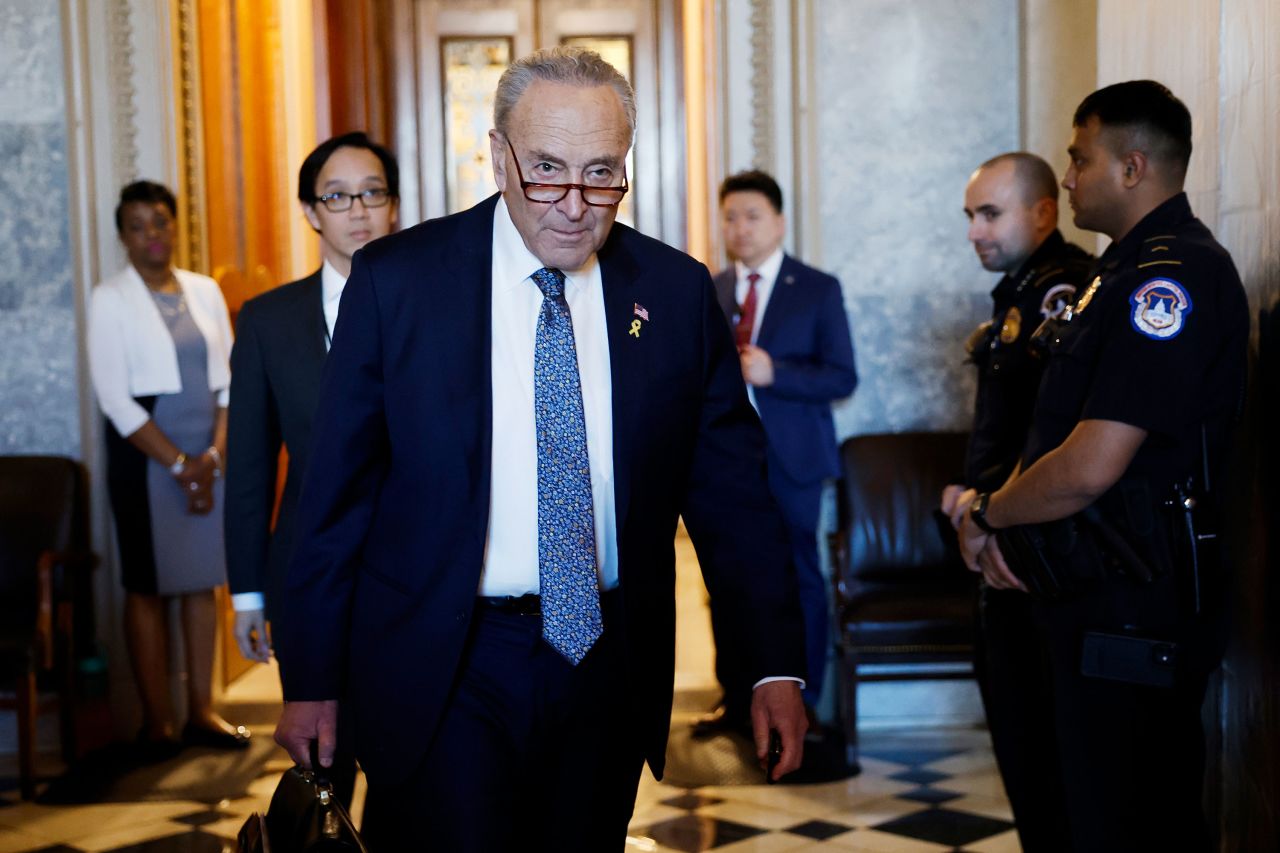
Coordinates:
(178, 464)
(978, 512)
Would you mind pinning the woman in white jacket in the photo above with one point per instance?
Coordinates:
(159, 343)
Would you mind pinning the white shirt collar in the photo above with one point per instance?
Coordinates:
(331, 283)
(513, 263)
(768, 269)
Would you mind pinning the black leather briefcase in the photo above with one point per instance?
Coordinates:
(306, 817)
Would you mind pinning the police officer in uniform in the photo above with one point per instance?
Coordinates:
(1110, 521)
(1012, 205)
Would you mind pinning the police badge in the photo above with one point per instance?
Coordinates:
(1011, 325)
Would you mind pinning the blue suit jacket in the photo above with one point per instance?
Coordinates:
(394, 511)
(806, 333)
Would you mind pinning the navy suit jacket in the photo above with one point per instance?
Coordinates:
(275, 382)
(394, 512)
(806, 333)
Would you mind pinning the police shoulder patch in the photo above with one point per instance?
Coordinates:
(1159, 308)
(1056, 300)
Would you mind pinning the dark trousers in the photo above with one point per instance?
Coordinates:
(799, 503)
(1011, 665)
(1131, 756)
(531, 753)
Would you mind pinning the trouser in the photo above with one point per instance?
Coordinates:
(1011, 665)
(531, 752)
(1131, 757)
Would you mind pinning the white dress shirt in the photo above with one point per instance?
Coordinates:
(511, 549)
(764, 287)
(331, 284)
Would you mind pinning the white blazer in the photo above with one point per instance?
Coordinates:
(131, 353)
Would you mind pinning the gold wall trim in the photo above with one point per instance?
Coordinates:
(191, 194)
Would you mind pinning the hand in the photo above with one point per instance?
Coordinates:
(955, 500)
(199, 499)
(198, 469)
(777, 705)
(995, 571)
(972, 540)
(251, 635)
(757, 366)
(302, 722)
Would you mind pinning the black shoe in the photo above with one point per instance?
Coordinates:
(720, 722)
(200, 736)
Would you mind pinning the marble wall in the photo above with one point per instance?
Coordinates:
(911, 97)
(39, 396)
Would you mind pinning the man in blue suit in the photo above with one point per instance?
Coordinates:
(789, 323)
(520, 401)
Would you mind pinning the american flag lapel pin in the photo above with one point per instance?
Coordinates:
(640, 314)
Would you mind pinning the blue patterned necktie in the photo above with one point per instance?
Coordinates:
(571, 621)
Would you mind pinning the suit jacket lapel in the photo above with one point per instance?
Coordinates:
(311, 319)
(619, 272)
(466, 295)
(779, 298)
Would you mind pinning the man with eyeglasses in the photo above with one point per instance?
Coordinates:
(521, 402)
(347, 188)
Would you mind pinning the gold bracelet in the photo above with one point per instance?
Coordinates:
(178, 465)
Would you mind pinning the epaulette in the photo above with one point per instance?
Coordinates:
(1159, 252)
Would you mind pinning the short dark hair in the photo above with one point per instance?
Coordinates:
(1035, 177)
(1151, 117)
(753, 180)
(147, 192)
(315, 161)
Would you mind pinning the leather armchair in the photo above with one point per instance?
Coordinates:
(902, 594)
(44, 571)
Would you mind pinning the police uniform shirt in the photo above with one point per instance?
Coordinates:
(1157, 340)
(1008, 372)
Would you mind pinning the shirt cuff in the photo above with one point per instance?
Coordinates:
(242, 601)
(799, 681)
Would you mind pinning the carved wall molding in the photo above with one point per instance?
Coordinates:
(192, 191)
(124, 113)
(762, 73)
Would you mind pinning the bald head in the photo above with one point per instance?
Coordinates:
(1012, 205)
(1034, 177)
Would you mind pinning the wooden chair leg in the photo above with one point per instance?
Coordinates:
(27, 710)
(67, 679)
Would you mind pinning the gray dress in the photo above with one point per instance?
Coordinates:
(189, 553)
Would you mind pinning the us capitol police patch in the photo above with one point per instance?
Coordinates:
(1160, 308)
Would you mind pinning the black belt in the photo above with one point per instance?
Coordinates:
(528, 604)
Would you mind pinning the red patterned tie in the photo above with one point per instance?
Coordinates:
(747, 316)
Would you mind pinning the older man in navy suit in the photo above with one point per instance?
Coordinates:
(520, 402)
(793, 341)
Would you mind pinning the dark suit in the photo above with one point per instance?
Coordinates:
(806, 334)
(276, 364)
(393, 525)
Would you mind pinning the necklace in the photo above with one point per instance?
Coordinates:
(170, 308)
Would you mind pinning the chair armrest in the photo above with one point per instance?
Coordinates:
(838, 550)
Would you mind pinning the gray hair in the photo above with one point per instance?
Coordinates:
(573, 66)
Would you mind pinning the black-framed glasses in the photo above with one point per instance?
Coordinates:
(339, 202)
(551, 193)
